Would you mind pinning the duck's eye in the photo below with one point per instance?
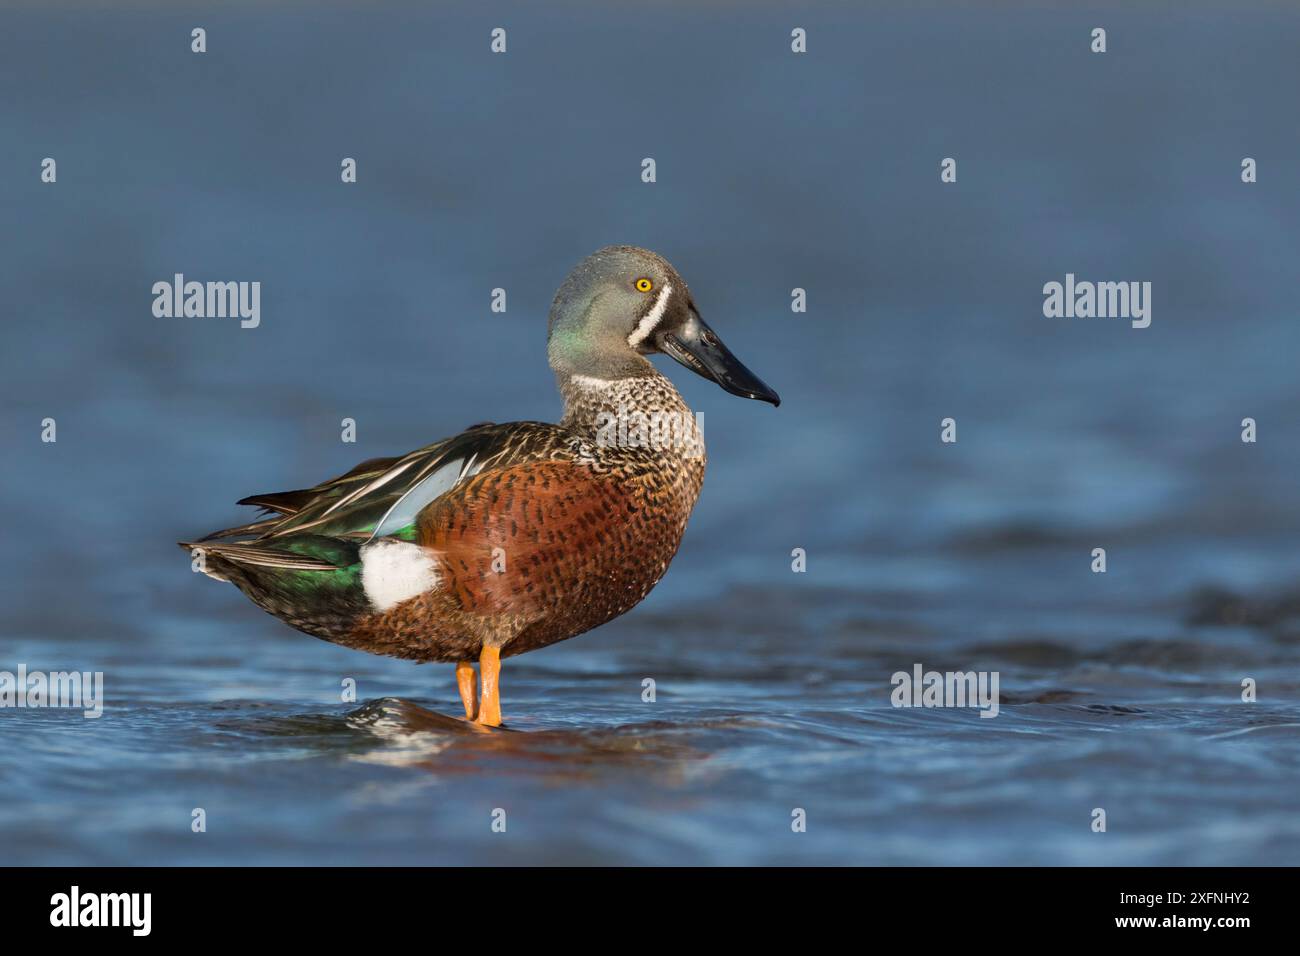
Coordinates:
(644, 285)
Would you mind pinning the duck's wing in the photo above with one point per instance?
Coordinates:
(291, 502)
(282, 504)
(382, 496)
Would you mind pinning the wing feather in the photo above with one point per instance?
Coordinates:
(383, 496)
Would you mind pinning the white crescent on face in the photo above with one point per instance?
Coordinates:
(651, 319)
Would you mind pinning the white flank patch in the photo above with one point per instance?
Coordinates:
(647, 324)
(394, 571)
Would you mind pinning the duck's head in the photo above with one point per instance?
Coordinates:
(623, 303)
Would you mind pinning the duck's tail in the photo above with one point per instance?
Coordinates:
(311, 582)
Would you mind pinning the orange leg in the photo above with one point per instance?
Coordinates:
(468, 688)
(489, 668)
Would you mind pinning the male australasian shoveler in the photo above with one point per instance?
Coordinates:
(507, 538)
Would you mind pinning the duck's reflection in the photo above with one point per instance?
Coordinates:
(409, 735)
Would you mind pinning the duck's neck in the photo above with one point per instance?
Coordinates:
(642, 411)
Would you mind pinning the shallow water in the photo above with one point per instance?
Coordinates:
(1120, 691)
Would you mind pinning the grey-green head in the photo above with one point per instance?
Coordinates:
(623, 303)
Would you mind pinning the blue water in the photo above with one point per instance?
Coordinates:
(1120, 691)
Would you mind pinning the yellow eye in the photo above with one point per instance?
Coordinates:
(644, 285)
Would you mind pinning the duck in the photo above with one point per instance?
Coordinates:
(506, 538)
